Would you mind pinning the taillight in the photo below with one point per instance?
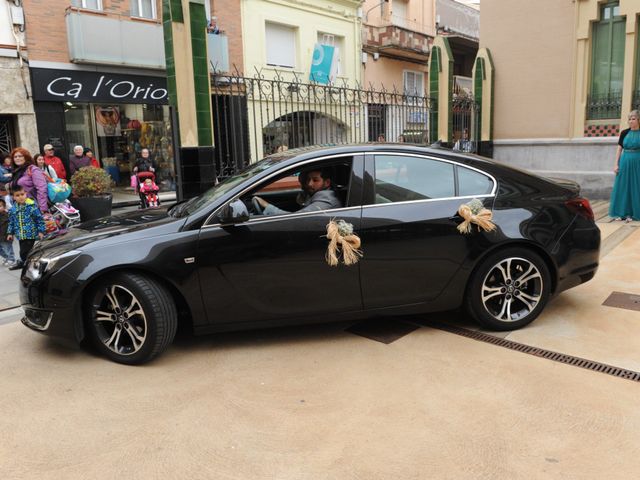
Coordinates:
(580, 206)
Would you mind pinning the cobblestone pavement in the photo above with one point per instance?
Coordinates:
(321, 402)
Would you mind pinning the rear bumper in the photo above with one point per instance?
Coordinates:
(577, 254)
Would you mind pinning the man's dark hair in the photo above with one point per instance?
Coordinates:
(325, 173)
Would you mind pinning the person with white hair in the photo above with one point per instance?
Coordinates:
(212, 27)
(78, 160)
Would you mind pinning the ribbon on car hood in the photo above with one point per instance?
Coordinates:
(343, 241)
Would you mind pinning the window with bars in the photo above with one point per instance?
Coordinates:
(413, 83)
(143, 8)
(607, 64)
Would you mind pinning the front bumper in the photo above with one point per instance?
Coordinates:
(48, 313)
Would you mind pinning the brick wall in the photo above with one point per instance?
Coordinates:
(228, 13)
(46, 29)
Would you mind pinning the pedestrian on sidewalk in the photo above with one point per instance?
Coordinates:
(78, 160)
(625, 197)
(48, 170)
(6, 247)
(5, 170)
(29, 177)
(94, 161)
(54, 162)
(25, 223)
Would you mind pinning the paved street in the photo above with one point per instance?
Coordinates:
(323, 403)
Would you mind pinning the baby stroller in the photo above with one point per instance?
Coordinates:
(148, 190)
(65, 214)
(60, 218)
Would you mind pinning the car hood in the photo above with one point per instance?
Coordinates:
(148, 222)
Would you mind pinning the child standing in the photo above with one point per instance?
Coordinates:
(25, 223)
(6, 247)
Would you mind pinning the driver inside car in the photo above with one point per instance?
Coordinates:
(316, 194)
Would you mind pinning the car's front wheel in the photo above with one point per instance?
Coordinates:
(131, 318)
(509, 289)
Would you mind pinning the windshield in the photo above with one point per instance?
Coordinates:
(194, 204)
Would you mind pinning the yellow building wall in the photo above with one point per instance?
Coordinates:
(339, 18)
(390, 72)
(588, 12)
(334, 17)
(533, 53)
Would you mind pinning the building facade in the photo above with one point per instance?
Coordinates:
(561, 98)
(286, 45)
(17, 118)
(97, 69)
(399, 36)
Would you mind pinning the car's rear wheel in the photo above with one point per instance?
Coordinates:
(132, 318)
(509, 289)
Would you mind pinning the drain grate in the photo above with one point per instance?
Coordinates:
(538, 352)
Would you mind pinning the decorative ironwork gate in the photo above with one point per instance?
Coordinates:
(466, 131)
(7, 136)
(257, 116)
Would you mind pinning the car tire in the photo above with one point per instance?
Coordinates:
(509, 289)
(131, 318)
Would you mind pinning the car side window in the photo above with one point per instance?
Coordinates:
(312, 187)
(403, 178)
(471, 182)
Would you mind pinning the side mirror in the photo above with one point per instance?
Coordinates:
(234, 212)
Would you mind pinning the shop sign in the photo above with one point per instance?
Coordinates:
(82, 86)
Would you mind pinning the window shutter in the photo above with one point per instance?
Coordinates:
(281, 45)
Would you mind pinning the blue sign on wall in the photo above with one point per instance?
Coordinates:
(323, 64)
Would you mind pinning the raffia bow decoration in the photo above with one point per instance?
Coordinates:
(474, 212)
(342, 239)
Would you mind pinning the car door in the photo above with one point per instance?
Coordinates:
(409, 228)
(274, 267)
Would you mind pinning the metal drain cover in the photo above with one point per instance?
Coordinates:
(383, 330)
(628, 301)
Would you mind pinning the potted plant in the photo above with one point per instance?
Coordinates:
(91, 188)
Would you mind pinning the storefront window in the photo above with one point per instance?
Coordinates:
(77, 119)
(117, 133)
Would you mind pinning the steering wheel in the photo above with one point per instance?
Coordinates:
(256, 206)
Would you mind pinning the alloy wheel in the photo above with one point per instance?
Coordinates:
(512, 289)
(120, 321)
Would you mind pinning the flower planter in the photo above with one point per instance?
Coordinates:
(92, 208)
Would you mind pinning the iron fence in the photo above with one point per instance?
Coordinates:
(465, 123)
(256, 116)
(604, 106)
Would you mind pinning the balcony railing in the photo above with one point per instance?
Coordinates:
(604, 106)
(398, 41)
(218, 48)
(114, 40)
(635, 103)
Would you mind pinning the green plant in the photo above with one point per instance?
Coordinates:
(91, 182)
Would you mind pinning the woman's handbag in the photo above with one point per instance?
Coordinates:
(134, 181)
(58, 191)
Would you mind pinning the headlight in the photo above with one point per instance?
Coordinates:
(37, 267)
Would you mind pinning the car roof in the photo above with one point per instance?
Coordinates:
(295, 155)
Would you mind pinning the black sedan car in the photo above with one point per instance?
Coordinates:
(222, 261)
